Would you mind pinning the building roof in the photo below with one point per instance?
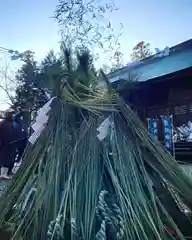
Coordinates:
(179, 58)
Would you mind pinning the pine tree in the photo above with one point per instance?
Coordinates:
(26, 79)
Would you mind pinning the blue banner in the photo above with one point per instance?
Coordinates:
(152, 127)
(168, 131)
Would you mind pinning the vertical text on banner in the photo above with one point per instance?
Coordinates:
(168, 131)
(152, 127)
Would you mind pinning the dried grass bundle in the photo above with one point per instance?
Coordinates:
(73, 186)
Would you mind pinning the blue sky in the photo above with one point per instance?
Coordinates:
(28, 24)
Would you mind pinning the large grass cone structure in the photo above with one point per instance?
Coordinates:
(71, 185)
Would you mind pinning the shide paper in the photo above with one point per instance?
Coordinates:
(104, 129)
(40, 122)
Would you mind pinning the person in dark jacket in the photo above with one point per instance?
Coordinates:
(10, 132)
(20, 148)
(20, 143)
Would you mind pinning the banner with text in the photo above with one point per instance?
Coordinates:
(168, 131)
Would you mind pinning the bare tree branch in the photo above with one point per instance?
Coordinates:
(7, 85)
(7, 93)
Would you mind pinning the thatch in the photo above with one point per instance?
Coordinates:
(79, 187)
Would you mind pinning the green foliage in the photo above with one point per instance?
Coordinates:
(77, 70)
(27, 73)
(25, 78)
(51, 70)
(52, 74)
(141, 50)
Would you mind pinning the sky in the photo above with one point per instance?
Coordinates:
(28, 25)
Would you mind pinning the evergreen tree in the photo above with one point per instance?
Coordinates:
(26, 79)
(51, 70)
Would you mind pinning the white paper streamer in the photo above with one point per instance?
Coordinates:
(34, 137)
(42, 119)
(40, 122)
(103, 129)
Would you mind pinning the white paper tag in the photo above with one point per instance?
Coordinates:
(40, 122)
(105, 124)
(34, 137)
(41, 119)
(103, 129)
(35, 126)
(36, 134)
